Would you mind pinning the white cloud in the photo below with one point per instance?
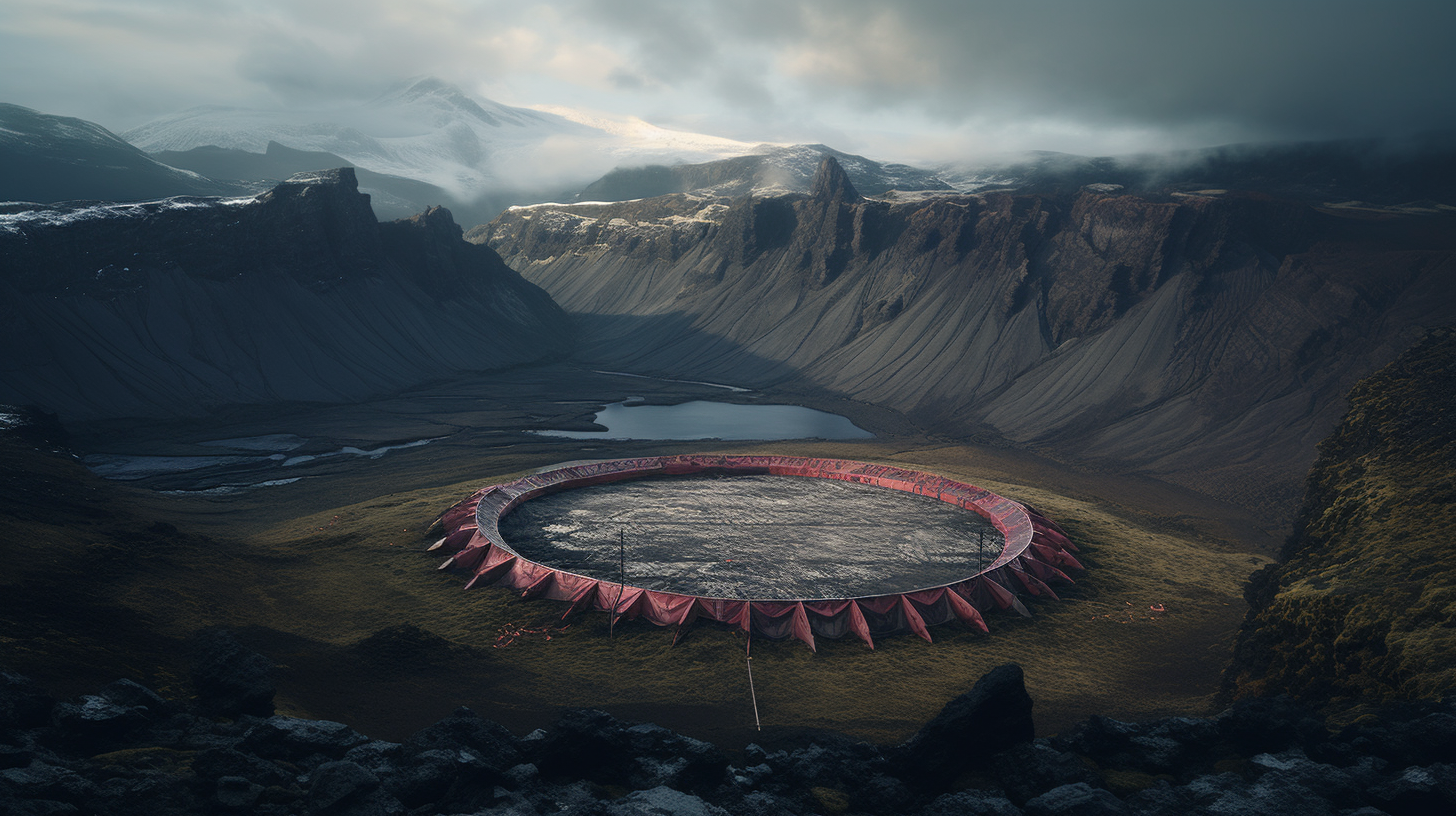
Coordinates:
(1109, 72)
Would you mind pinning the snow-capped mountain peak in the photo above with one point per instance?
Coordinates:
(431, 130)
(432, 95)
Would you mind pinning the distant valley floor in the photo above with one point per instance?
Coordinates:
(327, 576)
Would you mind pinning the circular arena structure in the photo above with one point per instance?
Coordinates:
(844, 548)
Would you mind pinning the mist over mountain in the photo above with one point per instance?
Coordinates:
(1415, 170)
(390, 196)
(431, 131)
(768, 170)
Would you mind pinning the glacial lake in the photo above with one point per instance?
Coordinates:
(702, 419)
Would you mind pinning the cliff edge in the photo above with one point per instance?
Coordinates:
(1363, 606)
(176, 306)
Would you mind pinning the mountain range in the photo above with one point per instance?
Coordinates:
(433, 132)
(426, 142)
(46, 158)
(1204, 339)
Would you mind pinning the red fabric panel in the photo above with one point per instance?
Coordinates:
(739, 614)
(585, 598)
(1054, 556)
(774, 619)
(801, 627)
(665, 608)
(460, 513)
(932, 606)
(1046, 534)
(567, 586)
(454, 542)
(539, 586)
(473, 553)
(721, 610)
(1034, 585)
(859, 625)
(1040, 518)
(828, 619)
(912, 618)
(879, 605)
(497, 563)
(1043, 570)
(1000, 582)
(965, 611)
(628, 603)
(884, 615)
(688, 614)
(997, 595)
(1066, 560)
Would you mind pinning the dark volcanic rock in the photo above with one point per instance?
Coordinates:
(591, 763)
(990, 718)
(1077, 799)
(292, 739)
(334, 787)
(982, 803)
(171, 307)
(220, 763)
(1031, 769)
(1157, 747)
(466, 730)
(1270, 724)
(230, 679)
(96, 720)
(22, 703)
(593, 745)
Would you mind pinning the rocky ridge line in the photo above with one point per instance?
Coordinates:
(178, 306)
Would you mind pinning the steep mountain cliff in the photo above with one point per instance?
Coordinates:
(1363, 607)
(1207, 340)
(171, 307)
(49, 158)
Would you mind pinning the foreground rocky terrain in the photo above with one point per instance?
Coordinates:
(1203, 339)
(126, 750)
(175, 307)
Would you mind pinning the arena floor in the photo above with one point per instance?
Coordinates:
(754, 537)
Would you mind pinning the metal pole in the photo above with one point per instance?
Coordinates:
(622, 581)
(752, 694)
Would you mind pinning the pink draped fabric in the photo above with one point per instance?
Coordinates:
(1036, 551)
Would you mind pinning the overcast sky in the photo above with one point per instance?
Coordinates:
(907, 80)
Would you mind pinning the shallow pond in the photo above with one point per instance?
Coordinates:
(702, 419)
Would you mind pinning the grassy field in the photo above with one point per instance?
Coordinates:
(328, 578)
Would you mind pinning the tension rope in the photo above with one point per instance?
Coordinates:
(752, 695)
(621, 583)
